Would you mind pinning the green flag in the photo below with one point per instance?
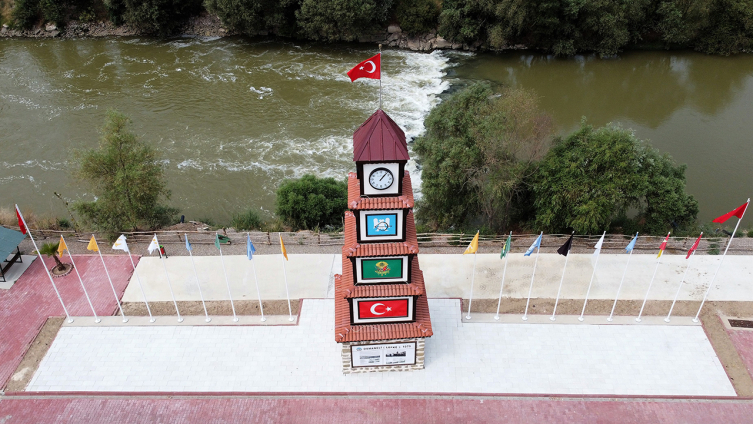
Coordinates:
(217, 241)
(507, 246)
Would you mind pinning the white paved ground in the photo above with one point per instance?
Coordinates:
(460, 357)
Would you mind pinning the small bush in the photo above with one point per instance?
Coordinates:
(246, 221)
(26, 13)
(311, 202)
(335, 20)
(750, 232)
(162, 17)
(417, 16)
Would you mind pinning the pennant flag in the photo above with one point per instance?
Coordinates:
(663, 246)
(599, 244)
(188, 245)
(120, 244)
(535, 244)
(62, 247)
(565, 248)
(154, 245)
(369, 68)
(506, 248)
(694, 246)
(738, 212)
(282, 248)
(92, 245)
(630, 246)
(250, 249)
(20, 221)
(473, 247)
(217, 241)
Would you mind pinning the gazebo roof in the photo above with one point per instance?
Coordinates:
(379, 139)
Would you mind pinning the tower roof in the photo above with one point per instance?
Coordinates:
(379, 139)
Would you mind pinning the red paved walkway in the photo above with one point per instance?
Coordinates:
(26, 306)
(369, 410)
(743, 341)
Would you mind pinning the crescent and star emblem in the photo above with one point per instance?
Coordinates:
(373, 309)
(373, 67)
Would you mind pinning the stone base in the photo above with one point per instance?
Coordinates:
(348, 367)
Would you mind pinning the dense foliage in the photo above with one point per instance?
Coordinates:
(253, 16)
(417, 16)
(161, 17)
(246, 221)
(333, 20)
(478, 150)
(126, 177)
(311, 202)
(28, 12)
(596, 175)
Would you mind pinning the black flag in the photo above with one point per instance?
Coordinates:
(565, 249)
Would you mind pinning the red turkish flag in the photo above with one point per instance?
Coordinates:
(737, 212)
(369, 68)
(20, 221)
(383, 308)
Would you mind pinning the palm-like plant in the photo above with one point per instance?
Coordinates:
(51, 249)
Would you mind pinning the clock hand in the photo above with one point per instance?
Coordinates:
(383, 175)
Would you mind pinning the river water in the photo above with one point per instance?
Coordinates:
(232, 117)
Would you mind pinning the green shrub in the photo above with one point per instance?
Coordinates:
(311, 202)
(246, 221)
(335, 20)
(26, 13)
(417, 16)
(750, 232)
(252, 16)
(162, 17)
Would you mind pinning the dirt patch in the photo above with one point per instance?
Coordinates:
(34, 355)
(214, 307)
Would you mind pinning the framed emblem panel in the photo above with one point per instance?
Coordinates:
(379, 310)
(379, 270)
(393, 189)
(381, 225)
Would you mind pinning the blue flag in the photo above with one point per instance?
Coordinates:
(188, 245)
(250, 249)
(630, 246)
(535, 245)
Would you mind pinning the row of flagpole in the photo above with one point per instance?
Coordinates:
(121, 244)
(564, 250)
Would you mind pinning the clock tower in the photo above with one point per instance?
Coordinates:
(381, 311)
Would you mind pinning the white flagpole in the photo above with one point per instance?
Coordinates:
(720, 262)
(530, 288)
(680, 287)
(658, 261)
(162, 259)
(28, 231)
(380, 77)
(201, 295)
(285, 274)
(138, 280)
(473, 276)
(559, 290)
(256, 280)
(110, 280)
(611, 314)
(504, 271)
(96, 318)
(596, 262)
(235, 318)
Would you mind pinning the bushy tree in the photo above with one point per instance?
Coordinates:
(478, 150)
(310, 202)
(127, 179)
(252, 16)
(335, 20)
(161, 17)
(595, 175)
(417, 16)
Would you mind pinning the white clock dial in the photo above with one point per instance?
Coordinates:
(381, 178)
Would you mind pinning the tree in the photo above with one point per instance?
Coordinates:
(127, 179)
(595, 175)
(478, 150)
(417, 16)
(162, 17)
(51, 249)
(311, 202)
(252, 16)
(335, 20)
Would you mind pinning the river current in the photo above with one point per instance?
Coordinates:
(233, 117)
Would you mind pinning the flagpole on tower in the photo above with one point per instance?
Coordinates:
(122, 314)
(227, 282)
(658, 261)
(569, 244)
(284, 258)
(256, 280)
(720, 262)
(154, 245)
(138, 279)
(201, 295)
(96, 318)
(596, 262)
(380, 77)
(677, 293)
(506, 252)
(533, 274)
(611, 314)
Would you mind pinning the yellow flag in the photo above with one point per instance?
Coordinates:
(282, 248)
(62, 247)
(473, 247)
(93, 245)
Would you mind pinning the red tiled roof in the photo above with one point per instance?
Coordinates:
(352, 248)
(379, 139)
(346, 287)
(356, 202)
(345, 332)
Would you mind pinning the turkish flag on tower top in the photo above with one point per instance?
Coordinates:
(369, 68)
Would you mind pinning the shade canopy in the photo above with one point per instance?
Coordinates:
(9, 240)
(379, 139)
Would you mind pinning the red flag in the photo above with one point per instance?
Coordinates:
(663, 246)
(694, 246)
(383, 309)
(369, 68)
(736, 212)
(20, 221)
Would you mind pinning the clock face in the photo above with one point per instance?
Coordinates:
(381, 178)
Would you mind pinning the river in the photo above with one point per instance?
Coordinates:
(232, 118)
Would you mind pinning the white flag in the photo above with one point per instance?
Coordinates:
(120, 244)
(599, 243)
(154, 245)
